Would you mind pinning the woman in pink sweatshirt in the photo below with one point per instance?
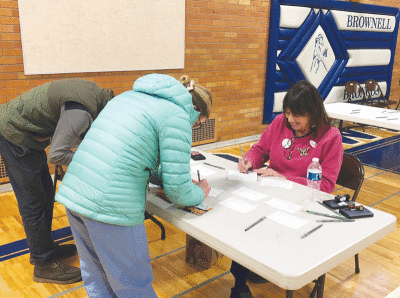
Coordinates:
(289, 143)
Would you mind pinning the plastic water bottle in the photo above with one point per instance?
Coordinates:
(314, 176)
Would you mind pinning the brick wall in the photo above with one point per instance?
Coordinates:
(226, 46)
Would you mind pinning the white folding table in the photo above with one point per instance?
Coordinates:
(271, 249)
(363, 114)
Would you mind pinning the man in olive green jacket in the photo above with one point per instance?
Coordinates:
(62, 111)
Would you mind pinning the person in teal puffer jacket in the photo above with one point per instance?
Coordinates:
(140, 136)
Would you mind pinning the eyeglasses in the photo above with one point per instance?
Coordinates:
(289, 151)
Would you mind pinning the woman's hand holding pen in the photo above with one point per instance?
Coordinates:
(204, 186)
(268, 172)
(244, 165)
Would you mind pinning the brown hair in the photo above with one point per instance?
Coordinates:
(201, 97)
(304, 99)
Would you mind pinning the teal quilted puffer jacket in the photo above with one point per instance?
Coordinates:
(143, 132)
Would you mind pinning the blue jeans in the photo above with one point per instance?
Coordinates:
(114, 259)
(33, 187)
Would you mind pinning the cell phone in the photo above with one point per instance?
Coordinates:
(197, 155)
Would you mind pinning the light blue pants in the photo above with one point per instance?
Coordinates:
(114, 259)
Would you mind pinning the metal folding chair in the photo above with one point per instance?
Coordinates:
(351, 176)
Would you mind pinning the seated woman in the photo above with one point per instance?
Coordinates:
(290, 143)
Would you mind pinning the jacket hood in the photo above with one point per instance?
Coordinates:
(169, 88)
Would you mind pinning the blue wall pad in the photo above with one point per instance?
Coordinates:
(383, 154)
(327, 43)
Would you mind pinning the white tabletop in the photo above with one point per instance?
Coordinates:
(271, 249)
(380, 117)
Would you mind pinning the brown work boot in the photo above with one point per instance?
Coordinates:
(61, 252)
(56, 272)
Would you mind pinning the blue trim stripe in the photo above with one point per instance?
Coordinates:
(366, 35)
(20, 247)
(368, 44)
(365, 70)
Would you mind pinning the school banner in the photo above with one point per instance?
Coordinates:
(328, 43)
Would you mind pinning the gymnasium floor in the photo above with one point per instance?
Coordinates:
(379, 263)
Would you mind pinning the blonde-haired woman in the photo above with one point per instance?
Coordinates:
(142, 135)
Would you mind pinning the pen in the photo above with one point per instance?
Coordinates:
(198, 174)
(241, 152)
(335, 220)
(311, 231)
(324, 214)
(256, 223)
(214, 166)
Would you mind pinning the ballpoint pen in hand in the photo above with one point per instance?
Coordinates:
(241, 152)
(198, 174)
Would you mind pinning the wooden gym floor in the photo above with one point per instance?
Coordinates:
(379, 263)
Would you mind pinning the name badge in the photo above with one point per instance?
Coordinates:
(286, 143)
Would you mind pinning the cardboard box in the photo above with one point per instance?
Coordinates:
(198, 254)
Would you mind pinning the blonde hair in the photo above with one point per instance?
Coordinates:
(201, 97)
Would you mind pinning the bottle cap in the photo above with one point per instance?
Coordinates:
(315, 159)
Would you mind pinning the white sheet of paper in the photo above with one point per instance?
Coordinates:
(204, 172)
(284, 205)
(249, 194)
(236, 175)
(215, 192)
(238, 205)
(287, 220)
(273, 182)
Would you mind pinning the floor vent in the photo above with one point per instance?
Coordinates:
(205, 134)
(3, 173)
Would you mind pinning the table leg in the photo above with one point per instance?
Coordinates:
(289, 294)
(321, 285)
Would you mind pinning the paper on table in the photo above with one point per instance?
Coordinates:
(236, 175)
(249, 194)
(287, 219)
(204, 172)
(284, 205)
(273, 182)
(215, 192)
(238, 205)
